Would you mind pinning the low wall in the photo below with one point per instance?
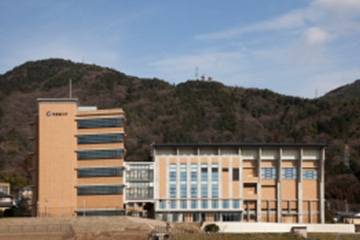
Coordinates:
(239, 227)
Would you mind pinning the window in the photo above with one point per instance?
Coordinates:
(172, 204)
(183, 172)
(214, 172)
(196, 217)
(231, 217)
(193, 204)
(204, 190)
(183, 190)
(289, 173)
(100, 138)
(193, 172)
(204, 204)
(310, 175)
(183, 204)
(100, 123)
(173, 190)
(139, 190)
(99, 154)
(139, 175)
(225, 170)
(172, 172)
(268, 173)
(225, 204)
(236, 204)
(235, 174)
(204, 172)
(214, 190)
(162, 204)
(193, 190)
(214, 204)
(99, 172)
(98, 190)
(100, 213)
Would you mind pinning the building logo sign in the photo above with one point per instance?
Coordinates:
(56, 114)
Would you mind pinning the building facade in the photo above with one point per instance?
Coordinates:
(239, 182)
(78, 160)
(139, 188)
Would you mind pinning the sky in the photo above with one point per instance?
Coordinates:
(300, 48)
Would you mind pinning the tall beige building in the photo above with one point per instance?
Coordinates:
(78, 159)
(253, 182)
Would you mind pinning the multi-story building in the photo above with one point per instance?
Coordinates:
(78, 159)
(6, 200)
(239, 182)
(139, 192)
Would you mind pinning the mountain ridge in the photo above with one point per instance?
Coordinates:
(189, 112)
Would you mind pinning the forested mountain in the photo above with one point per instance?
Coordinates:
(190, 112)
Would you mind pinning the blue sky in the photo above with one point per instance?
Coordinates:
(293, 47)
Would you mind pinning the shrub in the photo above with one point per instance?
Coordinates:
(211, 228)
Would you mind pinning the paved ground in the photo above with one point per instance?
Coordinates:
(79, 228)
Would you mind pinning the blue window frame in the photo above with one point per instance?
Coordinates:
(289, 173)
(194, 191)
(268, 173)
(162, 204)
(100, 123)
(204, 190)
(183, 204)
(99, 190)
(193, 172)
(100, 138)
(172, 172)
(204, 172)
(214, 172)
(194, 204)
(214, 204)
(310, 175)
(172, 190)
(99, 154)
(225, 204)
(236, 204)
(172, 204)
(100, 172)
(204, 204)
(183, 190)
(214, 190)
(183, 172)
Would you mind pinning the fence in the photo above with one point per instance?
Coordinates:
(44, 228)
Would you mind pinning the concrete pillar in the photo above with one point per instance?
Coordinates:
(278, 187)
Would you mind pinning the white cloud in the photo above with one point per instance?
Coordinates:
(316, 35)
(339, 7)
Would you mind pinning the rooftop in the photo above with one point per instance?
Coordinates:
(164, 145)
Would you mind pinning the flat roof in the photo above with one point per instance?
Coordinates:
(58, 100)
(168, 145)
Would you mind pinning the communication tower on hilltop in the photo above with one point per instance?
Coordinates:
(197, 73)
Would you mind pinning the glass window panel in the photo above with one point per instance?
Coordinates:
(98, 190)
(100, 123)
(99, 154)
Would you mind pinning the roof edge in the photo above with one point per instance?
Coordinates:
(156, 145)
